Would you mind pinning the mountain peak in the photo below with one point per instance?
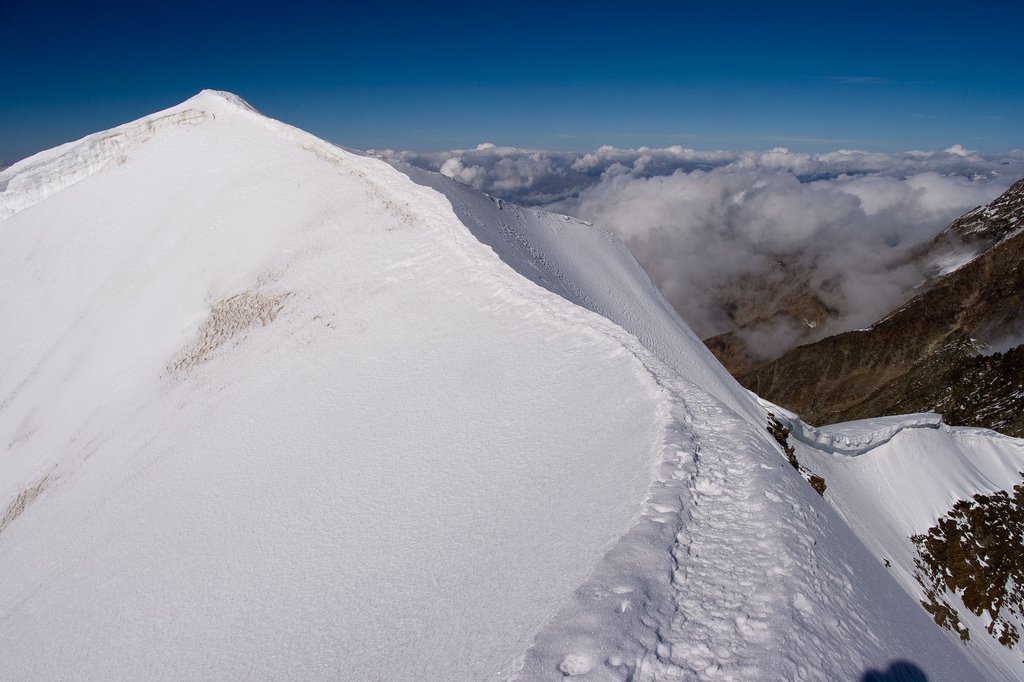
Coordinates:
(213, 100)
(31, 180)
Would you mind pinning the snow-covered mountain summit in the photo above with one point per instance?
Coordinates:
(272, 409)
(33, 179)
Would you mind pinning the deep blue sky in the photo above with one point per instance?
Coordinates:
(572, 76)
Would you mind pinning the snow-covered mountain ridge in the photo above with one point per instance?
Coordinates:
(273, 409)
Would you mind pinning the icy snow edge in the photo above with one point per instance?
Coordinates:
(32, 180)
(852, 438)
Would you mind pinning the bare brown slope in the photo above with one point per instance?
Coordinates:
(770, 317)
(925, 355)
(800, 317)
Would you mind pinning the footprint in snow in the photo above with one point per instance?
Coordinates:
(710, 488)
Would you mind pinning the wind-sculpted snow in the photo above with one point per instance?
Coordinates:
(34, 179)
(273, 410)
(858, 437)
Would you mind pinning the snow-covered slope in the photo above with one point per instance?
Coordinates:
(596, 272)
(893, 479)
(270, 409)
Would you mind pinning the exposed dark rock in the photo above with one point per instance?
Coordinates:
(976, 553)
(781, 434)
(928, 354)
(994, 222)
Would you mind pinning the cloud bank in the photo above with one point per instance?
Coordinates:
(703, 222)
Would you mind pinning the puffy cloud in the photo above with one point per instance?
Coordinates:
(700, 233)
(958, 150)
(538, 177)
(702, 222)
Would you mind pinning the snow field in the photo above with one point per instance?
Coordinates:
(738, 571)
(394, 476)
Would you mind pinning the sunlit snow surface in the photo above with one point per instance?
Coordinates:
(274, 410)
(906, 473)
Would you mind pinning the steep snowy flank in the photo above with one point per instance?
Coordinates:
(596, 272)
(270, 409)
(904, 475)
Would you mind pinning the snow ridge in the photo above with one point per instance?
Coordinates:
(32, 180)
(856, 438)
(598, 273)
(495, 397)
(755, 588)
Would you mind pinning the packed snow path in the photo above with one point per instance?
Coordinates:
(738, 571)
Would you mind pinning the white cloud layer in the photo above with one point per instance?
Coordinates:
(699, 221)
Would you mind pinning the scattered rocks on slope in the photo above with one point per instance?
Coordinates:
(781, 434)
(974, 555)
(229, 317)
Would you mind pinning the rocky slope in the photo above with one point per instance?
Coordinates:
(954, 348)
(775, 313)
(993, 223)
